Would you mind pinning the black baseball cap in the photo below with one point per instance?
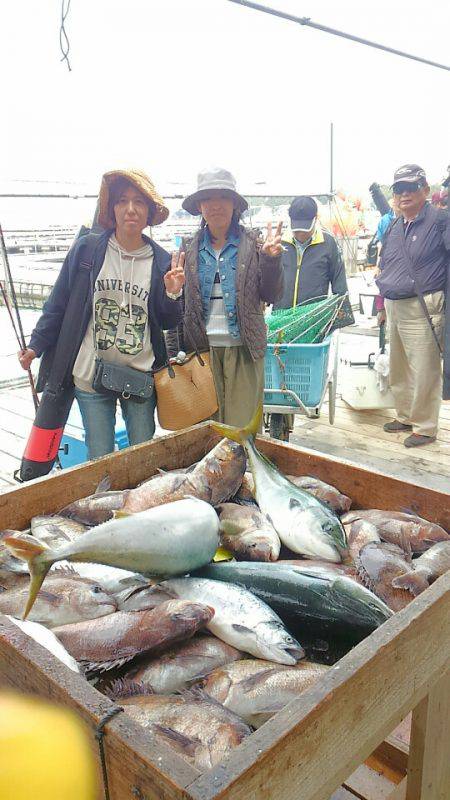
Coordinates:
(303, 211)
(409, 173)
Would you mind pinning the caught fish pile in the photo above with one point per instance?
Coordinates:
(208, 598)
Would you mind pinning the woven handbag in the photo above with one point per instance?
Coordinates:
(185, 393)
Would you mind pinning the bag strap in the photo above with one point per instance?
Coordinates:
(67, 344)
(417, 287)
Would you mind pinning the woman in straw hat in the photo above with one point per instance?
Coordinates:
(230, 274)
(135, 291)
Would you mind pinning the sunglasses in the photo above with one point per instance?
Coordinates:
(405, 186)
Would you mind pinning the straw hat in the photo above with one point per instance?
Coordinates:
(214, 179)
(143, 183)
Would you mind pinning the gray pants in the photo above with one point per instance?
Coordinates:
(415, 372)
(239, 382)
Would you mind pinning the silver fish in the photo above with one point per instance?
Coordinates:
(168, 540)
(47, 639)
(305, 525)
(240, 619)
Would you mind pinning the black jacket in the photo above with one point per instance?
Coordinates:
(422, 245)
(321, 266)
(163, 313)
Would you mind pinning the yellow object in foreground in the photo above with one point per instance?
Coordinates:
(44, 752)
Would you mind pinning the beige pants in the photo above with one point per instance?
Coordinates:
(239, 382)
(415, 363)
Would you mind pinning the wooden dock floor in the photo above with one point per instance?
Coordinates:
(356, 436)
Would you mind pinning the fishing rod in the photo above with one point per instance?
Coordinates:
(20, 336)
(306, 21)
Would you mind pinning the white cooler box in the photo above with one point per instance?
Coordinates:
(358, 379)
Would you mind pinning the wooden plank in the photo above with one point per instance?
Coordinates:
(362, 441)
(393, 754)
(342, 794)
(137, 766)
(368, 784)
(321, 737)
(410, 472)
(429, 758)
(400, 792)
(126, 468)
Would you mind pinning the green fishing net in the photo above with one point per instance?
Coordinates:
(307, 323)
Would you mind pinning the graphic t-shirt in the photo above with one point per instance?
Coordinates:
(119, 331)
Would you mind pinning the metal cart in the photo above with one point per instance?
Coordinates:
(297, 380)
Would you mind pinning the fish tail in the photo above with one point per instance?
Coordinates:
(241, 435)
(38, 557)
(414, 582)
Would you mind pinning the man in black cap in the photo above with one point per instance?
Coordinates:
(413, 263)
(311, 259)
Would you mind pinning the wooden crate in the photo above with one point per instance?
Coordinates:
(335, 733)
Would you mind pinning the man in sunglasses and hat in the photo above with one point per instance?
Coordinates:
(311, 259)
(414, 262)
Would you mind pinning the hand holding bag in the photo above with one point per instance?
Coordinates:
(185, 392)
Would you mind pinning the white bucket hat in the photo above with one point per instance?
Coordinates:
(215, 178)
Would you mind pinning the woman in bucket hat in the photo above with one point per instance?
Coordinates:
(135, 291)
(230, 274)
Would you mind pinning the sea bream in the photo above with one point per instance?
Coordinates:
(65, 599)
(247, 533)
(240, 619)
(257, 689)
(168, 540)
(397, 527)
(378, 564)
(197, 727)
(214, 479)
(425, 569)
(176, 668)
(97, 507)
(304, 524)
(107, 642)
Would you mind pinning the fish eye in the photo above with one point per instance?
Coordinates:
(97, 589)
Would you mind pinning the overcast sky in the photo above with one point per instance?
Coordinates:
(174, 85)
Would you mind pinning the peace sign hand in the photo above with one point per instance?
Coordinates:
(272, 244)
(174, 279)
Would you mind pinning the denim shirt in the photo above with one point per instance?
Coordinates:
(207, 267)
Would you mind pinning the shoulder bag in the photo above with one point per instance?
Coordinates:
(185, 391)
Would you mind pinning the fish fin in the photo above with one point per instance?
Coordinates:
(293, 503)
(123, 687)
(222, 554)
(241, 435)
(104, 485)
(103, 666)
(178, 741)
(414, 582)
(38, 557)
(121, 514)
(242, 628)
(254, 680)
(405, 545)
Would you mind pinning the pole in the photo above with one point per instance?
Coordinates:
(331, 158)
(19, 333)
(307, 21)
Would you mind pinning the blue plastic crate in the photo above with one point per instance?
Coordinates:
(303, 370)
(74, 439)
